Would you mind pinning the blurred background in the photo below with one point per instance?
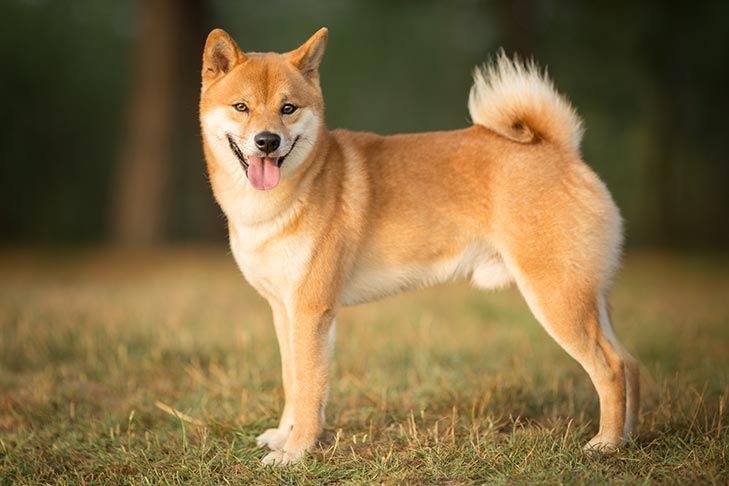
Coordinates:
(99, 136)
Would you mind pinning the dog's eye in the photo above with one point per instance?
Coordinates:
(240, 107)
(288, 109)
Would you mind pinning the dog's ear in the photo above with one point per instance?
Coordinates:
(221, 54)
(308, 56)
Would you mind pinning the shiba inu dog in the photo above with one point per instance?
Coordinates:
(321, 219)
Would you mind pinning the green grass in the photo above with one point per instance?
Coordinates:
(443, 385)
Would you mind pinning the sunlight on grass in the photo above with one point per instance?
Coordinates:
(164, 367)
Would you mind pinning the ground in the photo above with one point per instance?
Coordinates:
(163, 367)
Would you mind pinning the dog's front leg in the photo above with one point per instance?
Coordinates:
(311, 342)
(275, 438)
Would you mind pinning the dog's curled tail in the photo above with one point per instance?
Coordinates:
(519, 102)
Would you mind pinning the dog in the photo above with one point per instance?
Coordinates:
(321, 219)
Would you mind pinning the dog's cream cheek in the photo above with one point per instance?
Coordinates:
(217, 123)
(307, 129)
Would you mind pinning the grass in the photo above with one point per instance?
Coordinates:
(163, 368)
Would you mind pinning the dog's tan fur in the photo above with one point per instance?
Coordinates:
(357, 216)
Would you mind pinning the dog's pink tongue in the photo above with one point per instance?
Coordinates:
(263, 172)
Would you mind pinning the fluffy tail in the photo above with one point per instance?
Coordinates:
(519, 102)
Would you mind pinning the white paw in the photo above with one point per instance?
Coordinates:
(273, 438)
(602, 445)
(282, 458)
(273, 458)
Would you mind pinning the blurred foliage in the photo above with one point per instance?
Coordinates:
(649, 78)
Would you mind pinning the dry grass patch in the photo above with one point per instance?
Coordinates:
(163, 368)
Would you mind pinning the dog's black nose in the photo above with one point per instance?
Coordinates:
(267, 141)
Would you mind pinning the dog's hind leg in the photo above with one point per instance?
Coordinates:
(573, 311)
(632, 377)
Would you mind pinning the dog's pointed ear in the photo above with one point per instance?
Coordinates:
(308, 56)
(221, 54)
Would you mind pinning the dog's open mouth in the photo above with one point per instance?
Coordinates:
(264, 173)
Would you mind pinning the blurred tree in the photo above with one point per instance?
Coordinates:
(140, 206)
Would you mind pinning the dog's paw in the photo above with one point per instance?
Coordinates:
(601, 445)
(283, 458)
(274, 439)
(273, 458)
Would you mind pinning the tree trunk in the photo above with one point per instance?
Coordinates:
(142, 186)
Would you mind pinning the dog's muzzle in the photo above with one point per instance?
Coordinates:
(239, 154)
(236, 150)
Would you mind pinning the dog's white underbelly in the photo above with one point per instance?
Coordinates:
(370, 280)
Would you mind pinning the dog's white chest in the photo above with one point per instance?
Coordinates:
(274, 265)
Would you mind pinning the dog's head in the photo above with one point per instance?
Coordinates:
(261, 113)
